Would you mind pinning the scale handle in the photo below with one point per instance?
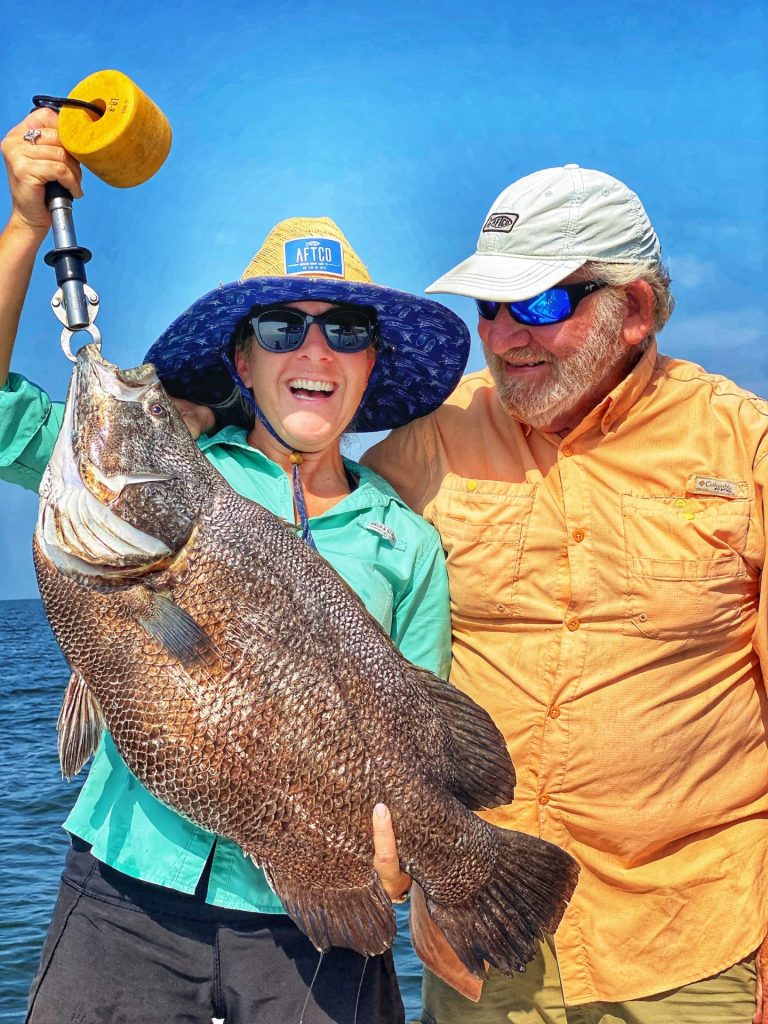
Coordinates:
(53, 190)
(67, 257)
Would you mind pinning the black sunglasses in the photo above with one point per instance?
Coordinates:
(345, 328)
(549, 307)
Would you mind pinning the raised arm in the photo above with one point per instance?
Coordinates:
(29, 166)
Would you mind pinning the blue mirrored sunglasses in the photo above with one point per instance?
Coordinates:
(549, 307)
(345, 328)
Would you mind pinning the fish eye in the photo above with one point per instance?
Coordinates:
(156, 409)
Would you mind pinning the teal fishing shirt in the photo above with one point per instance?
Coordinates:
(385, 552)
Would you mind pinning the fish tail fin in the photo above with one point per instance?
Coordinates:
(527, 891)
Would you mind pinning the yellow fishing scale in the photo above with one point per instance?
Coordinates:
(112, 127)
(124, 145)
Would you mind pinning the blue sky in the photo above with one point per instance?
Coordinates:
(402, 121)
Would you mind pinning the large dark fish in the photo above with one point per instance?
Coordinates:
(245, 684)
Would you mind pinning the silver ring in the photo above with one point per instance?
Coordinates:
(32, 135)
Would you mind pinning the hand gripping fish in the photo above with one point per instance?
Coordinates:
(246, 686)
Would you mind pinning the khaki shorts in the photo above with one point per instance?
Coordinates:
(535, 998)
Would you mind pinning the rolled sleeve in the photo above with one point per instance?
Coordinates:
(29, 425)
(406, 460)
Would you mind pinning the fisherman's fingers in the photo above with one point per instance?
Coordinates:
(30, 164)
(198, 419)
(386, 861)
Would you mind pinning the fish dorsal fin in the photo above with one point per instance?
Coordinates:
(480, 773)
(173, 628)
(80, 725)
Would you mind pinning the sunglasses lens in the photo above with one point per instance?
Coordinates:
(549, 307)
(279, 330)
(487, 309)
(348, 330)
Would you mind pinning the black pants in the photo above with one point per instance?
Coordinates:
(120, 951)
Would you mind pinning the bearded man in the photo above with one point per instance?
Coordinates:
(602, 510)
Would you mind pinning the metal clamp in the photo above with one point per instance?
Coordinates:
(59, 307)
(66, 338)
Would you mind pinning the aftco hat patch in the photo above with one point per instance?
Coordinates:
(314, 256)
(501, 222)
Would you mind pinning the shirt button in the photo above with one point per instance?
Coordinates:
(567, 451)
(544, 799)
(573, 624)
(689, 516)
(679, 503)
(471, 485)
(501, 607)
(554, 712)
(578, 536)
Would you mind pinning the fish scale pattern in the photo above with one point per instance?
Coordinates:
(246, 685)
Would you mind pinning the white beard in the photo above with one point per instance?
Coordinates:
(573, 378)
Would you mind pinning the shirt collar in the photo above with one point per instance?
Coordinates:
(627, 392)
(372, 491)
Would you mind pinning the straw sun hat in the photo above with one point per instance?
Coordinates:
(422, 351)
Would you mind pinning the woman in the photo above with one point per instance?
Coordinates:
(158, 920)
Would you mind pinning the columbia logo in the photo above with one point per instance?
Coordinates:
(501, 222)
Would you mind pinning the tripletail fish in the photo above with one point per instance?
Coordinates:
(245, 685)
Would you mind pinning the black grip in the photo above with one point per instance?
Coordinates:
(53, 190)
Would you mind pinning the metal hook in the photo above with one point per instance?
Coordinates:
(59, 307)
(66, 337)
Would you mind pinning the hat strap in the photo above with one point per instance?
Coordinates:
(296, 457)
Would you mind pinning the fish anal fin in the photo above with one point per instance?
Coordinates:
(481, 771)
(80, 726)
(172, 627)
(359, 918)
(436, 953)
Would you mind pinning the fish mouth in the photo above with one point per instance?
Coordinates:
(77, 527)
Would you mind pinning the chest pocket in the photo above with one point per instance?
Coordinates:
(483, 525)
(686, 578)
(373, 589)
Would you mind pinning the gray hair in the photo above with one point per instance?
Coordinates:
(655, 274)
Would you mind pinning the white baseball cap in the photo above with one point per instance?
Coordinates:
(547, 225)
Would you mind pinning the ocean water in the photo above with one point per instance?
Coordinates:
(35, 801)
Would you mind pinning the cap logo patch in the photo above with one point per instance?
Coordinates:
(314, 256)
(501, 222)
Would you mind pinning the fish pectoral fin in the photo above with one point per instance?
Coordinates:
(173, 628)
(479, 771)
(436, 953)
(80, 725)
(359, 918)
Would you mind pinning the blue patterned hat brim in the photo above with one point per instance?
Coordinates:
(423, 351)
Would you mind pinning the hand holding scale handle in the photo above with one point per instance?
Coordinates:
(118, 133)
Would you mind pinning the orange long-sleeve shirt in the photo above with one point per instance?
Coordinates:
(607, 612)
